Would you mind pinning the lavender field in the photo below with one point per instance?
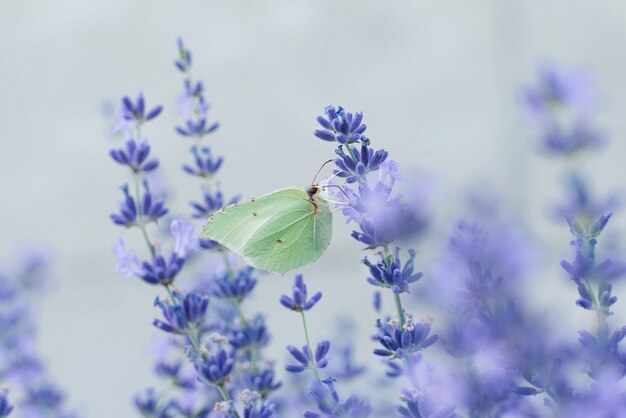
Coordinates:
(312, 209)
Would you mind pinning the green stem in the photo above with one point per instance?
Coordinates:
(308, 346)
(140, 224)
(227, 398)
(401, 317)
(350, 152)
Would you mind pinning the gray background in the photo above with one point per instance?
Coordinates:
(438, 82)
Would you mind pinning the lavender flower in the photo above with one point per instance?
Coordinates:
(357, 164)
(212, 203)
(234, 288)
(135, 156)
(133, 114)
(340, 126)
(184, 57)
(5, 407)
(331, 406)
(302, 356)
(391, 274)
(298, 301)
(128, 210)
(146, 402)
(251, 336)
(401, 341)
(205, 164)
(418, 405)
(215, 368)
(161, 270)
(188, 311)
(561, 106)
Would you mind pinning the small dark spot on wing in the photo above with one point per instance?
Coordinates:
(279, 241)
(253, 213)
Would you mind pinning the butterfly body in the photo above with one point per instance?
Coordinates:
(279, 231)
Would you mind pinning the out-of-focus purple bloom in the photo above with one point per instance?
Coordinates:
(340, 126)
(188, 312)
(127, 215)
(151, 208)
(265, 410)
(184, 237)
(345, 369)
(602, 355)
(392, 275)
(330, 405)
(146, 402)
(381, 218)
(581, 205)
(377, 300)
(364, 161)
(184, 57)
(303, 357)
(418, 405)
(403, 341)
(262, 382)
(250, 337)
(197, 128)
(160, 270)
(234, 288)
(558, 141)
(133, 114)
(127, 262)
(298, 301)
(206, 165)
(5, 406)
(135, 156)
(562, 105)
(216, 367)
(556, 88)
(212, 203)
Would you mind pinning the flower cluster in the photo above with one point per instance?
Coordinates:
(22, 369)
(562, 105)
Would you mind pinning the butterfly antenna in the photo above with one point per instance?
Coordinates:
(339, 187)
(318, 171)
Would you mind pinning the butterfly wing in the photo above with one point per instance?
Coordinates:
(278, 232)
(298, 236)
(234, 225)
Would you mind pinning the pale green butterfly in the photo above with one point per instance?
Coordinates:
(279, 231)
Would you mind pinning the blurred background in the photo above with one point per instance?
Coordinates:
(440, 86)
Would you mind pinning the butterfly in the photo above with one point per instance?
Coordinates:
(279, 231)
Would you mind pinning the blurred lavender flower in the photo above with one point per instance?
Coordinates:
(183, 63)
(131, 115)
(135, 156)
(234, 288)
(212, 203)
(331, 406)
(5, 406)
(146, 402)
(215, 368)
(561, 106)
(205, 164)
(319, 359)
(191, 104)
(252, 336)
(161, 270)
(298, 301)
(340, 126)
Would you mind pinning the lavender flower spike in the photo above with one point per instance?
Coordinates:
(340, 126)
(298, 301)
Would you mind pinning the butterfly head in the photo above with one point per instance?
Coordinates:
(312, 190)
